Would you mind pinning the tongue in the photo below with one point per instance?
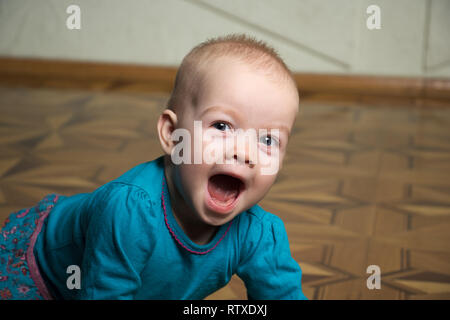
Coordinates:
(223, 188)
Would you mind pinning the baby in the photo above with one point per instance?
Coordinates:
(180, 226)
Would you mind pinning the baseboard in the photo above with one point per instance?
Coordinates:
(143, 78)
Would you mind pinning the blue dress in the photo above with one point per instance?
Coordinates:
(127, 244)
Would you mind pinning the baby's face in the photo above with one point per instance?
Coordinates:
(232, 101)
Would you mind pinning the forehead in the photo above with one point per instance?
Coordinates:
(254, 92)
(229, 68)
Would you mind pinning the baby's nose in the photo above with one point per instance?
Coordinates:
(245, 155)
(245, 159)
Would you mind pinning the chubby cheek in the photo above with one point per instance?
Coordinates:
(193, 178)
(214, 145)
(270, 163)
(262, 185)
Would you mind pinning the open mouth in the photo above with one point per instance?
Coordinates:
(223, 192)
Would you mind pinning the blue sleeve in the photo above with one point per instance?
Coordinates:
(117, 245)
(266, 265)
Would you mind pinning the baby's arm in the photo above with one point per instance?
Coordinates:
(267, 267)
(117, 246)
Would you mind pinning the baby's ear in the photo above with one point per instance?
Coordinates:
(166, 125)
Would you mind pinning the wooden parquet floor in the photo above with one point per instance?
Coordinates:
(361, 185)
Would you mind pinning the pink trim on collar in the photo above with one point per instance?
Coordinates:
(176, 238)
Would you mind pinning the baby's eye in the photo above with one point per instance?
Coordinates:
(269, 141)
(222, 126)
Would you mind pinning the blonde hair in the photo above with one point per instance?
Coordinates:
(246, 49)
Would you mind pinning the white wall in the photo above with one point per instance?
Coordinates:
(311, 35)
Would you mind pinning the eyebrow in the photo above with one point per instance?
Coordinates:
(235, 114)
(228, 111)
(281, 128)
